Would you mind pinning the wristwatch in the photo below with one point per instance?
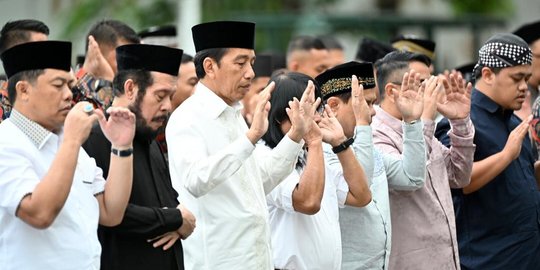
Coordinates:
(343, 146)
(122, 153)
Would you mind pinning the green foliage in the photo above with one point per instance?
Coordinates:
(81, 14)
(483, 7)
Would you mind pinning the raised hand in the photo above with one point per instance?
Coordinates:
(188, 222)
(78, 123)
(432, 94)
(515, 139)
(301, 113)
(361, 110)
(410, 97)
(457, 104)
(119, 129)
(259, 123)
(95, 63)
(331, 129)
(166, 240)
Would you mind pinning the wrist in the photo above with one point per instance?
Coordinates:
(338, 141)
(343, 146)
(410, 121)
(122, 152)
(294, 135)
(122, 147)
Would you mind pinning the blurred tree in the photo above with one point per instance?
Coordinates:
(503, 8)
(138, 14)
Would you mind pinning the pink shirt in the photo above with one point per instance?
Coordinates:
(423, 221)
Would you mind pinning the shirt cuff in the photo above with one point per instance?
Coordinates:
(289, 148)
(462, 127)
(429, 128)
(413, 131)
(24, 190)
(173, 219)
(244, 147)
(363, 134)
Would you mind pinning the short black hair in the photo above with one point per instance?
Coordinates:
(331, 42)
(288, 85)
(390, 68)
(142, 78)
(478, 71)
(18, 32)
(27, 75)
(186, 58)
(108, 32)
(305, 43)
(214, 53)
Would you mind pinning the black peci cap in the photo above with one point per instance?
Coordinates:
(529, 32)
(337, 80)
(224, 34)
(37, 55)
(263, 66)
(149, 57)
(371, 50)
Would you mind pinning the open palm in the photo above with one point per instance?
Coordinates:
(457, 103)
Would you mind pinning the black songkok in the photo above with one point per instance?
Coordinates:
(37, 55)
(224, 34)
(371, 50)
(149, 57)
(529, 32)
(337, 80)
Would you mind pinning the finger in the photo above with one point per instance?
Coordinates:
(469, 90)
(405, 80)
(155, 238)
(453, 83)
(316, 105)
(171, 242)
(308, 93)
(354, 86)
(161, 241)
(268, 89)
(446, 85)
(412, 78)
(329, 111)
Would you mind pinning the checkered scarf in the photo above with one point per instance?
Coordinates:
(502, 51)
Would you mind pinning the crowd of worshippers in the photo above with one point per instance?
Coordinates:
(144, 157)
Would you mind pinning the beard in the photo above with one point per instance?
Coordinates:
(142, 129)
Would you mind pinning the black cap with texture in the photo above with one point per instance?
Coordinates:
(37, 55)
(149, 57)
(337, 80)
(529, 32)
(224, 34)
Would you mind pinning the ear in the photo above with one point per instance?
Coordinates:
(488, 76)
(130, 89)
(389, 90)
(293, 65)
(334, 103)
(22, 89)
(209, 66)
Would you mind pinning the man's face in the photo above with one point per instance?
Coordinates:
(345, 113)
(313, 62)
(234, 73)
(535, 78)
(155, 105)
(509, 86)
(187, 79)
(49, 98)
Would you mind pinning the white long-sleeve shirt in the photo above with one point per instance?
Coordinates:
(223, 183)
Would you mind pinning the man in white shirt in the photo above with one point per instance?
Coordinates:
(52, 195)
(211, 154)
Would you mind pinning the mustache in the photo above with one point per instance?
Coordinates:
(160, 118)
